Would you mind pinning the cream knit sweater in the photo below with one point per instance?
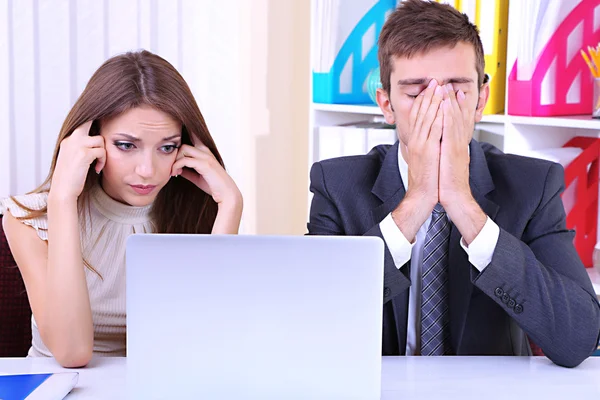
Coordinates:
(103, 236)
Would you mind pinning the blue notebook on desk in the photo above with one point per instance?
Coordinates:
(37, 386)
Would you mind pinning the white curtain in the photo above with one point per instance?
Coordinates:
(50, 48)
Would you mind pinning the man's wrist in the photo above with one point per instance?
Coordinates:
(468, 217)
(410, 215)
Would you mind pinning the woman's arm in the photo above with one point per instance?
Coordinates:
(199, 166)
(54, 277)
(69, 328)
(228, 217)
(54, 273)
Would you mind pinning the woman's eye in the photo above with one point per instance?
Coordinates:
(412, 96)
(124, 146)
(169, 148)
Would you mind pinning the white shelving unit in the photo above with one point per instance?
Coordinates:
(519, 133)
(348, 108)
(512, 134)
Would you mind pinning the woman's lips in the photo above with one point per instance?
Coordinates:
(143, 189)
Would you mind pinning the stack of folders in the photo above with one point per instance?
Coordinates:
(352, 139)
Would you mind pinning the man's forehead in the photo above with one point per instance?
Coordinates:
(441, 81)
(440, 56)
(444, 68)
(465, 49)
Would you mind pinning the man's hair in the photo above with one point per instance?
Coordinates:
(419, 26)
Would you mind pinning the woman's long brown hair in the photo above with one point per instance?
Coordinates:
(131, 80)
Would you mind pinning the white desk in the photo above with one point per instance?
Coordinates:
(403, 378)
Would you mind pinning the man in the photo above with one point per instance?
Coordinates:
(478, 258)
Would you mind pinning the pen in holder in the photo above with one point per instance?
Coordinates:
(593, 62)
(596, 99)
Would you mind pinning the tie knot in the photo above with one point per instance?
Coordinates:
(438, 209)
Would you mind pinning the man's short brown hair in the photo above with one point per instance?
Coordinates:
(419, 26)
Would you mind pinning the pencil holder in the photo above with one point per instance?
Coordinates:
(596, 99)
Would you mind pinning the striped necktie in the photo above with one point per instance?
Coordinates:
(435, 334)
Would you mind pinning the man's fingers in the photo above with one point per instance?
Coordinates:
(452, 96)
(435, 134)
(448, 115)
(427, 95)
(414, 111)
(465, 111)
(431, 113)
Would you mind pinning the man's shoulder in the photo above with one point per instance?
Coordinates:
(365, 164)
(349, 175)
(499, 162)
(520, 174)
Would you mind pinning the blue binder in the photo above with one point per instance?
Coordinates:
(37, 386)
(326, 85)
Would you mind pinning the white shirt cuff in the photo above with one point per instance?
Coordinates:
(481, 250)
(398, 245)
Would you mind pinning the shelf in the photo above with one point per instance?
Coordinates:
(568, 121)
(494, 119)
(367, 109)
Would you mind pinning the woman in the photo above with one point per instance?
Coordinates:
(134, 155)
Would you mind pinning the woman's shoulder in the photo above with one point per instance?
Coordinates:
(22, 206)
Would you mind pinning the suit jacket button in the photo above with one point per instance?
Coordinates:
(505, 298)
(511, 303)
(518, 309)
(499, 292)
(387, 291)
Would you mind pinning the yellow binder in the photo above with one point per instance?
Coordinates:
(495, 57)
(491, 17)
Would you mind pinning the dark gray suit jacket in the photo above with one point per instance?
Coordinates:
(535, 285)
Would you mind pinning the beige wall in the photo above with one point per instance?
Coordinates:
(281, 153)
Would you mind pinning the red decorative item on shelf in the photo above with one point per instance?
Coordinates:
(583, 217)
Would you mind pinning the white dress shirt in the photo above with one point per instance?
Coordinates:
(480, 253)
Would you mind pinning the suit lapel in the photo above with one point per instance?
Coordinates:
(388, 186)
(389, 189)
(461, 273)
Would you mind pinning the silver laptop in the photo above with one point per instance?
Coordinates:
(269, 317)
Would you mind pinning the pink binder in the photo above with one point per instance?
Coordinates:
(524, 97)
